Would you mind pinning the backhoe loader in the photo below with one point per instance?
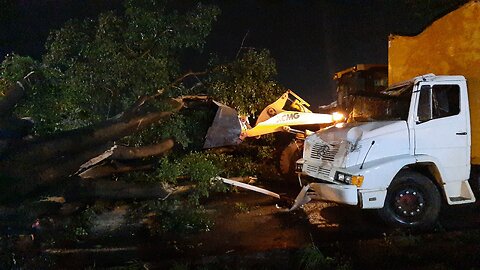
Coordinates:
(288, 111)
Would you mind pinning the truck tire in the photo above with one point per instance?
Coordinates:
(413, 202)
(289, 157)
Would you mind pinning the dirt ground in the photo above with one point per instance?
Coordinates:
(251, 231)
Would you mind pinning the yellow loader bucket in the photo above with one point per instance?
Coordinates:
(225, 129)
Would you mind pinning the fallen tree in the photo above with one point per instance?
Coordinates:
(92, 107)
(52, 158)
(88, 126)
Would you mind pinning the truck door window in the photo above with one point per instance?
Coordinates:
(439, 101)
(425, 104)
(445, 100)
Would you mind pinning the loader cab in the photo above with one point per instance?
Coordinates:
(359, 83)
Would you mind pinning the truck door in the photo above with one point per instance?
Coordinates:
(442, 128)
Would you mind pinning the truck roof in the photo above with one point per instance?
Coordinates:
(429, 78)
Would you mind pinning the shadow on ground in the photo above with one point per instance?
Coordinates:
(251, 231)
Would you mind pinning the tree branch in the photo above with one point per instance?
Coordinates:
(74, 141)
(111, 168)
(241, 45)
(125, 152)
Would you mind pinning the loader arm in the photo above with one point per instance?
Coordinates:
(289, 100)
(285, 119)
(289, 110)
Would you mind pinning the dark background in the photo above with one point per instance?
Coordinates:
(311, 40)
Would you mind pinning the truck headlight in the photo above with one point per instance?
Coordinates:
(348, 179)
(298, 167)
(356, 180)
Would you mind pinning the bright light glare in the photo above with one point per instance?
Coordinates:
(337, 117)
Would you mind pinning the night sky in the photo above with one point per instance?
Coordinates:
(310, 40)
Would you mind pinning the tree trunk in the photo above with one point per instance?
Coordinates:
(112, 168)
(47, 160)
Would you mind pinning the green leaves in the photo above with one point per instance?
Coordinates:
(15, 67)
(106, 64)
(172, 216)
(95, 69)
(199, 168)
(247, 84)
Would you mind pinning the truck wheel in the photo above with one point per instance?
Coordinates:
(289, 157)
(413, 201)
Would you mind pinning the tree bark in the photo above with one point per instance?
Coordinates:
(124, 152)
(21, 178)
(112, 168)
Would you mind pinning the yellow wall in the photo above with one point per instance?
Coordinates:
(450, 46)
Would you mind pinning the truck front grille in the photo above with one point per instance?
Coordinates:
(323, 171)
(324, 152)
(316, 170)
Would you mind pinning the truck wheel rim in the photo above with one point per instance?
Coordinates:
(409, 203)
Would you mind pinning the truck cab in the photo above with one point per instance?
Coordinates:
(403, 159)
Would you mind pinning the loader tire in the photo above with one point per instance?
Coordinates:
(289, 157)
(413, 202)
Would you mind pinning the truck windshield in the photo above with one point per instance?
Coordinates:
(391, 104)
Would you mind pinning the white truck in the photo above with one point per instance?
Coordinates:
(402, 162)
(421, 149)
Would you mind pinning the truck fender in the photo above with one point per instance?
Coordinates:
(456, 190)
(432, 160)
(378, 174)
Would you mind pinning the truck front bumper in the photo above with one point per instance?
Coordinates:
(345, 194)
